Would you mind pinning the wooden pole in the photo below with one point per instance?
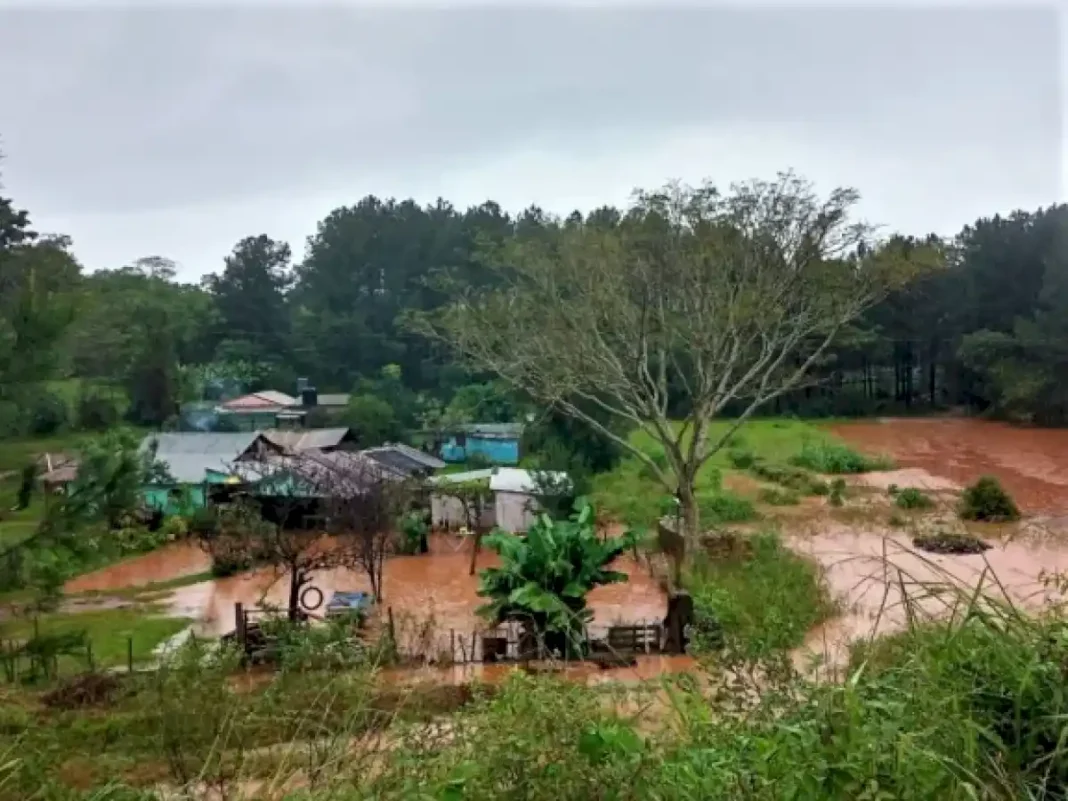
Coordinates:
(452, 644)
(89, 655)
(129, 653)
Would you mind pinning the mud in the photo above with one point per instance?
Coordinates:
(165, 564)
(906, 477)
(647, 667)
(1032, 463)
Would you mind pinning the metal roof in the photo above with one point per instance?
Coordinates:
(462, 478)
(190, 455)
(404, 458)
(266, 400)
(492, 430)
(297, 441)
(514, 479)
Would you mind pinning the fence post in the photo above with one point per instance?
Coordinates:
(392, 628)
(239, 625)
(452, 644)
(129, 653)
(89, 655)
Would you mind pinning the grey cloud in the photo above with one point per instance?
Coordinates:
(122, 110)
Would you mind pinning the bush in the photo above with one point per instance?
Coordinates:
(47, 414)
(720, 506)
(790, 477)
(912, 498)
(741, 458)
(96, 412)
(836, 496)
(413, 533)
(174, 528)
(779, 497)
(987, 500)
(836, 459)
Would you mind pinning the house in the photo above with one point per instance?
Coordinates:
(496, 442)
(195, 461)
(405, 459)
(317, 439)
(260, 410)
(514, 491)
(515, 494)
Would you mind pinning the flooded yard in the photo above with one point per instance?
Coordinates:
(430, 588)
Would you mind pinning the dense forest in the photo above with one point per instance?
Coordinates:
(988, 332)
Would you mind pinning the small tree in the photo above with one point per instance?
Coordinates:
(545, 576)
(694, 302)
(474, 498)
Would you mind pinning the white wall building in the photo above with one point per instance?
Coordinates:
(514, 503)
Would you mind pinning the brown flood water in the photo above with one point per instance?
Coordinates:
(434, 587)
(1032, 463)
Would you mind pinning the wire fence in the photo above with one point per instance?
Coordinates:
(46, 657)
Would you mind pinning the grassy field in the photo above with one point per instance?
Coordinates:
(110, 632)
(632, 495)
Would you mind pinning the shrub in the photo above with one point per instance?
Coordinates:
(413, 533)
(174, 528)
(987, 500)
(47, 414)
(836, 459)
(719, 506)
(96, 411)
(951, 543)
(741, 458)
(779, 497)
(895, 520)
(912, 498)
(836, 496)
(790, 477)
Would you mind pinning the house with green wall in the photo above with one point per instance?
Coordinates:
(195, 461)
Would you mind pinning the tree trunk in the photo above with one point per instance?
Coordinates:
(296, 581)
(476, 546)
(691, 515)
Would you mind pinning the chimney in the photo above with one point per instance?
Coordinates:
(309, 397)
(302, 384)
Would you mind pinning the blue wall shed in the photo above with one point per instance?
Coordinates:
(497, 442)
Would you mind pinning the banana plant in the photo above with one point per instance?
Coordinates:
(545, 576)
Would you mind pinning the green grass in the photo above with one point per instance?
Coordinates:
(761, 601)
(631, 494)
(834, 458)
(108, 630)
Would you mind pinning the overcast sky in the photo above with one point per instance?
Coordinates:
(178, 130)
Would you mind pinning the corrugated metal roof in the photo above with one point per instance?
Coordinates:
(493, 430)
(404, 458)
(190, 455)
(265, 400)
(462, 478)
(303, 440)
(514, 479)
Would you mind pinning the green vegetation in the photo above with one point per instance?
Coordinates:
(762, 448)
(545, 576)
(773, 496)
(834, 458)
(914, 499)
(109, 632)
(987, 500)
(759, 599)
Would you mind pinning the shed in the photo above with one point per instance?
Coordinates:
(446, 511)
(515, 495)
(259, 410)
(497, 442)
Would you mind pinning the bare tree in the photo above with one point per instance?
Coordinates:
(474, 498)
(309, 512)
(696, 300)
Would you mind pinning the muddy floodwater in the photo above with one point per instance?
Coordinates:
(432, 589)
(1032, 463)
